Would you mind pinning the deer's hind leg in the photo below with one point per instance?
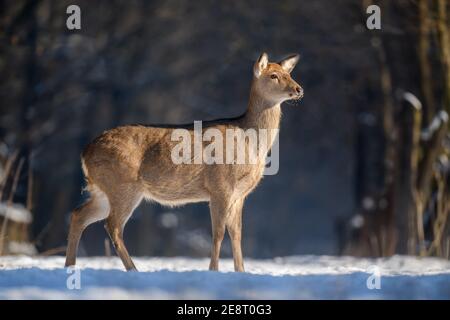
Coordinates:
(123, 202)
(96, 208)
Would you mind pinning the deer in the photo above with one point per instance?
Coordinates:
(127, 164)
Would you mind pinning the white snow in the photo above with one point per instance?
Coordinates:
(299, 277)
(15, 212)
(21, 247)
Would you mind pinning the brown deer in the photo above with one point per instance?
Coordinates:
(129, 163)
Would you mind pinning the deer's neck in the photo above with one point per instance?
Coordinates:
(261, 113)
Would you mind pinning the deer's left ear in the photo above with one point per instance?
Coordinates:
(289, 63)
(260, 64)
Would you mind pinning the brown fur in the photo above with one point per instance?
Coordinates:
(129, 163)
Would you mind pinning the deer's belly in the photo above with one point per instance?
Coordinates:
(175, 200)
(174, 187)
(175, 196)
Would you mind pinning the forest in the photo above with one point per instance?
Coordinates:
(364, 157)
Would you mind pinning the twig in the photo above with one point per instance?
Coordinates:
(9, 164)
(442, 28)
(416, 115)
(441, 218)
(53, 251)
(447, 254)
(424, 63)
(38, 238)
(435, 124)
(30, 186)
(9, 203)
(107, 248)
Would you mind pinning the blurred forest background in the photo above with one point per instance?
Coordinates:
(364, 164)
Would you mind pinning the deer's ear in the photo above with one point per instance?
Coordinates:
(289, 63)
(260, 64)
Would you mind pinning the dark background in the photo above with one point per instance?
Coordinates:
(180, 61)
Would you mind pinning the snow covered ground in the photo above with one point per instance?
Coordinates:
(300, 277)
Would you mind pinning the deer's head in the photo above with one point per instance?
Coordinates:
(273, 80)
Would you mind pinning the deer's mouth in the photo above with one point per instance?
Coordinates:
(296, 97)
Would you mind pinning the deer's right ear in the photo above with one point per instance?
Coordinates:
(260, 64)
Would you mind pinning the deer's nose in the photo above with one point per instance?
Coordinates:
(299, 90)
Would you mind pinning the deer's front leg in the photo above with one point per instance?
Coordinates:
(234, 227)
(218, 210)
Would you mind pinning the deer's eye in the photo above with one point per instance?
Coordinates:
(273, 76)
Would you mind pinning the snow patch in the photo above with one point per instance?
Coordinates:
(297, 277)
(15, 212)
(16, 247)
